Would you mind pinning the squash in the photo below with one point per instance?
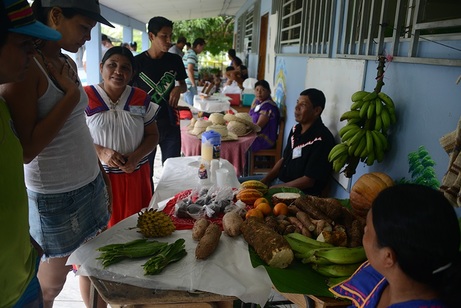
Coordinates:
(365, 190)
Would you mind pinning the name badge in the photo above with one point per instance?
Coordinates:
(297, 152)
(138, 110)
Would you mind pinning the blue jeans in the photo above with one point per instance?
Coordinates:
(189, 95)
(61, 222)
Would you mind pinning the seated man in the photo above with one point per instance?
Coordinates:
(304, 163)
(234, 78)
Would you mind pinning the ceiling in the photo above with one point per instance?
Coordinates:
(143, 10)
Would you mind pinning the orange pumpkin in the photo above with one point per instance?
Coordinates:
(365, 190)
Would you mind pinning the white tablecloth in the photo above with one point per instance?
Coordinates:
(215, 103)
(228, 271)
(181, 173)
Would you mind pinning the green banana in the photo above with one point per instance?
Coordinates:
(351, 114)
(386, 99)
(314, 259)
(371, 157)
(337, 151)
(357, 105)
(347, 127)
(363, 111)
(378, 123)
(356, 121)
(379, 106)
(359, 95)
(379, 156)
(369, 143)
(378, 144)
(360, 147)
(393, 117)
(307, 240)
(342, 255)
(385, 118)
(370, 96)
(340, 162)
(350, 133)
(354, 139)
(336, 270)
(383, 140)
(371, 109)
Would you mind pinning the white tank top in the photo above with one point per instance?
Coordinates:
(69, 161)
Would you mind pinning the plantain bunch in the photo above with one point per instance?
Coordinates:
(326, 259)
(364, 137)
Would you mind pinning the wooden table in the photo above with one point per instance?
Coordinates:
(234, 151)
(118, 294)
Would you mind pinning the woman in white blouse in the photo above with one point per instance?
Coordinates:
(122, 123)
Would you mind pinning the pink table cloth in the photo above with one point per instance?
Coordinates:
(233, 151)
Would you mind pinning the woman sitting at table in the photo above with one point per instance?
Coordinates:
(266, 114)
(122, 123)
(411, 240)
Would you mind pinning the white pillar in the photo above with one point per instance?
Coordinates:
(93, 56)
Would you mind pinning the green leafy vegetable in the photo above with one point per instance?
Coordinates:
(168, 254)
(114, 253)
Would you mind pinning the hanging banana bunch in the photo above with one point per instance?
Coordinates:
(364, 137)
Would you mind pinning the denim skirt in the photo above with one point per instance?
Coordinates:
(60, 223)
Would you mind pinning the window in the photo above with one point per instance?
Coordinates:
(248, 39)
(291, 22)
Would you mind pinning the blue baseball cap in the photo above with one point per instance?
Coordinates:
(22, 20)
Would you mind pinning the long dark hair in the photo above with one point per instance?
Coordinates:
(421, 227)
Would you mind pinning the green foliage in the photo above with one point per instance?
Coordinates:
(421, 169)
(217, 32)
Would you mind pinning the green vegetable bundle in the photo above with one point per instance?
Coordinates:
(166, 255)
(141, 248)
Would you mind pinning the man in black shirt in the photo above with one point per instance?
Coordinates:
(305, 164)
(161, 74)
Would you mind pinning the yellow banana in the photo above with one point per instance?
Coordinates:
(363, 111)
(336, 270)
(359, 95)
(351, 114)
(386, 99)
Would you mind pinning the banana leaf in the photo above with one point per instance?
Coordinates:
(298, 278)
